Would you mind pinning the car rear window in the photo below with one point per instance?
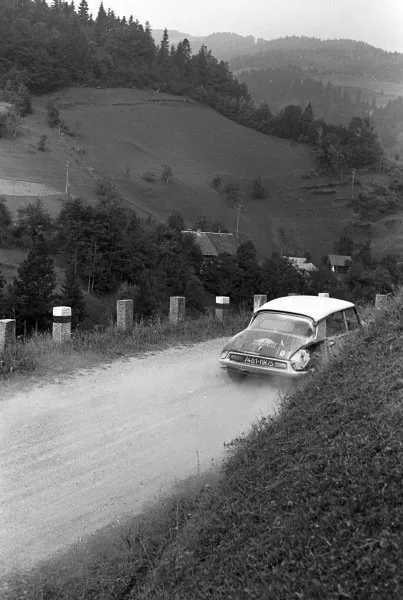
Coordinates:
(352, 319)
(283, 323)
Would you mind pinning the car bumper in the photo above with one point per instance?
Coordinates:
(226, 363)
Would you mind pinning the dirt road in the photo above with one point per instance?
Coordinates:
(77, 454)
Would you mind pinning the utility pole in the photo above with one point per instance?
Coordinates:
(352, 184)
(67, 179)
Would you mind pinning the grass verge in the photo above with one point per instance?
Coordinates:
(40, 355)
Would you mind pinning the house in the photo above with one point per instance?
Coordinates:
(301, 264)
(212, 244)
(339, 263)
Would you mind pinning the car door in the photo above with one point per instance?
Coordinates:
(337, 331)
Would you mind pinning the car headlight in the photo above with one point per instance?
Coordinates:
(299, 361)
(224, 354)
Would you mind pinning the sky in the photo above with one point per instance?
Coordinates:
(377, 22)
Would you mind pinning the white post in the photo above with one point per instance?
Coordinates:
(177, 306)
(61, 331)
(381, 302)
(323, 295)
(7, 335)
(124, 314)
(258, 300)
(221, 307)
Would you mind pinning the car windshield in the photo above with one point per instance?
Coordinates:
(283, 323)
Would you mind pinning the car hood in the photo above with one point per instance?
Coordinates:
(266, 343)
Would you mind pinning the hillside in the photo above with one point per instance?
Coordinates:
(123, 133)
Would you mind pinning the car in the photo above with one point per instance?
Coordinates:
(290, 337)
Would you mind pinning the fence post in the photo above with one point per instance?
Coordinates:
(61, 330)
(177, 307)
(124, 314)
(258, 300)
(323, 294)
(7, 335)
(381, 302)
(221, 307)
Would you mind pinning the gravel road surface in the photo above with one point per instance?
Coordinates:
(77, 454)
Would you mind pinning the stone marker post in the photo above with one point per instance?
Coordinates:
(323, 295)
(124, 315)
(61, 331)
(381, 302)
(221, 307)
(7, 335)
(177, 307)
(258, 300)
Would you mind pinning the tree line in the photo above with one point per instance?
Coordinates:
(106, 251)
(45, 48)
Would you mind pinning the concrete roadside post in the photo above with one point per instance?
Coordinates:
(258, 300)
(323, 294)
(177, 308)
(61, 331)
(7, 336)
(124, 315)
(221, 308)
(381, 303)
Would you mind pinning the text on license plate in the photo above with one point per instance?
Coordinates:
(260, 362)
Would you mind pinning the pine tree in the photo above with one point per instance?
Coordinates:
(83, 11)
(33, 290)
(163, 52)
(72, 296)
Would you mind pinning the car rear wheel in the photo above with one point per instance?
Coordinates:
(236, 375)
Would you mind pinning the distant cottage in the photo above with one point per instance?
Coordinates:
(212, 244)
(339, 263)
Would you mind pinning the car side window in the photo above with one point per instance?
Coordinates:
(352, 319)
(335, 324)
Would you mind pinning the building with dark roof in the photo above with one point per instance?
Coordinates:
(339, 263)
(212, 244)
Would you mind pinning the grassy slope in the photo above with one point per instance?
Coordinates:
(308, 505)
(137, 130)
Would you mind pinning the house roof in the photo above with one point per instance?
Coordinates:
(213, 244)
(338, 260)
(300, 263)
(315, 307)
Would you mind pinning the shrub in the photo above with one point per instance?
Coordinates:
(42, 144)
(217, 184)
(53, 114)
(149, 176)
(167, 174)
(8, 122)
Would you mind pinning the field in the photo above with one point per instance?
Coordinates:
(125, 133)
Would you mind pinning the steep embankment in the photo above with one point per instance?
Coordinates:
(124, 133)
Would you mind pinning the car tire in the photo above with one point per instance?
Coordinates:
(236, 376)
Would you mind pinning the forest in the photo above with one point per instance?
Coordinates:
(106, 250)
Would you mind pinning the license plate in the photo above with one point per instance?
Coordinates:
(251, 360)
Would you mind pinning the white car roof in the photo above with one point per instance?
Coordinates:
(315, 307)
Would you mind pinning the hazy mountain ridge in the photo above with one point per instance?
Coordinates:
(311, 54)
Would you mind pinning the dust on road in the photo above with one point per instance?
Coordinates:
(77, 454)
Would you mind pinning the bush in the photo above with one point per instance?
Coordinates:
(167, 174)
(42, 144)
(8, 123)
(217, 184)
(150, 177)
(53, 114)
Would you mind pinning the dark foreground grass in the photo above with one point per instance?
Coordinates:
(308, 506)
(41, 356)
